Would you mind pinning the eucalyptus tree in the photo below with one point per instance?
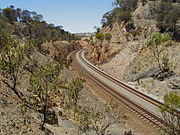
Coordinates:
(44, 82)
(11, 62)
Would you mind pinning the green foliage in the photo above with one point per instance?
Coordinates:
(172, 101)
(44, 79)
(97, 120)
(169, 43)
(108, 36)
(10, 14)
(11, 61)
(167, 15)
(97, 29)
(158, 44)
(168, 111)
(165, 62)
(127, 34)
(83, 119)
(159, 38)
(121, 12)
(72, 92)
(88, 119)
(3, 25)
(32, 26)
(126, 5)
(100, 36)
(124, 16)
(44, 82)
(5, 40)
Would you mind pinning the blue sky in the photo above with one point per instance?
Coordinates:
(73, 15)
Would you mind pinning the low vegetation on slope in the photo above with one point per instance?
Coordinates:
(30, 25)
(35, 97)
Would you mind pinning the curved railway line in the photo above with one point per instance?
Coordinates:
(144, 112)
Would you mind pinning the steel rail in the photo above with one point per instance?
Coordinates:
(147, 114)
(130, 89)
(123, 99)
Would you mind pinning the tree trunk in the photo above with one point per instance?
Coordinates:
(13, 88)
(45, 108)
(18, 93)
(44, 120)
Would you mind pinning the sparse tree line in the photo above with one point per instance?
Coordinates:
(167, 15)
(165, 12)
(121, 12)
(30, 25)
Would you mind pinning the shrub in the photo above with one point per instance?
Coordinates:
(100, 36)
(124, 16)
(43, 82)
(158, 43)
(171, 104)
(108, 36)
(159, 38)
(127, 34)
(11, 62)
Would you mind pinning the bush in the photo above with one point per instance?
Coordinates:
(171, 104)
(108, 36)
(127, 35)
(100, 36)
(124, 16)
(159, 38)
(158, 45)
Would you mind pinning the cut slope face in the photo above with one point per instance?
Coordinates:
(128, 57)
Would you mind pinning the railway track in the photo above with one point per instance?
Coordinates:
(144, 112)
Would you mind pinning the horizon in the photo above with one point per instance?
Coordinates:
(75, 16)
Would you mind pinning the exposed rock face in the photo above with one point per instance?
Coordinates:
(144, 65)
(127, 56)
(101, 52)
(60, 49)
(117, 66)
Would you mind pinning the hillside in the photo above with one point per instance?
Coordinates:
(45, 90)
(127, 54)
(29, 46)
(40, 93)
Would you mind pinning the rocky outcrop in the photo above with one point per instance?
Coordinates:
(100, 52)
(127, 56)
(60, 49)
